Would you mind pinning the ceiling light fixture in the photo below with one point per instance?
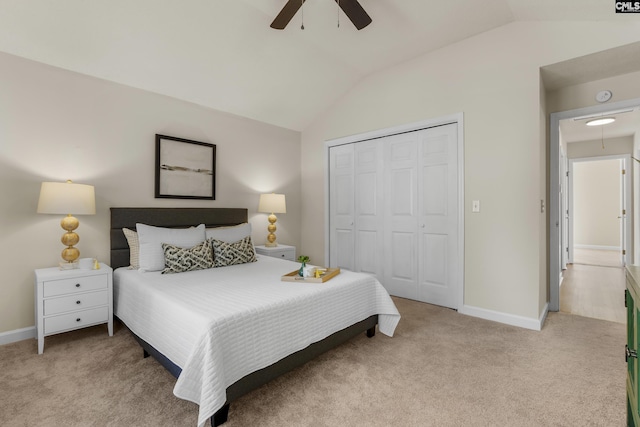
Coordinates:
(601, 121)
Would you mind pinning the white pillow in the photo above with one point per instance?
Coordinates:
(151, 239)
(231, 234)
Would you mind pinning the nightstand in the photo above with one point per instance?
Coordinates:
(72, 299)
(280, 251)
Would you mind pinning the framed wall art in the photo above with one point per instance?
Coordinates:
(185, 169)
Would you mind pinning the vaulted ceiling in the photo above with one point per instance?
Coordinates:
(222, 54)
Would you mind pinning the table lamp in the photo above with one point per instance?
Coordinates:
(272, 204)
(67, 198)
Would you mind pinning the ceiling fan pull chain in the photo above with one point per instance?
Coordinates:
(302, 10)
(338, 13)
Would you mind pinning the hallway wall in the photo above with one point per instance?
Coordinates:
(596, 204)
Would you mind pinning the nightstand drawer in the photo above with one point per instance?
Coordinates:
(75, 302)
(80, 284)
(284, 254)
(75, 320)
(281, 251)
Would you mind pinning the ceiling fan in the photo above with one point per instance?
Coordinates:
(351, 8)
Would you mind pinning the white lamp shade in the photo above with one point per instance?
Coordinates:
(272, 203)
(66, 198)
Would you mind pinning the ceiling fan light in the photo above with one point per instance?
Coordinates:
(601, 121)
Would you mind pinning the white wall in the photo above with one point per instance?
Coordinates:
(57, 125)
(596, 204)
(494, 79)
(612, 146)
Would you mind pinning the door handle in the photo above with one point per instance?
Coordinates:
(629, 353)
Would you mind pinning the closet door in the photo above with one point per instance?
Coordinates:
(341, 207)
(421, 214)
(394, 213)
(438, 216)
(369, 216)
(356, 214)
(401, 215)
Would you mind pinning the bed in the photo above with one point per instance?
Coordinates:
(223, 332)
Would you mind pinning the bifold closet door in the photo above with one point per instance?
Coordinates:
(369, 208)
(355, 207)
(341, 207)
(393, 212)
(421, 214)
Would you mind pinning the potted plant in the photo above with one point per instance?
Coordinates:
(303, 260)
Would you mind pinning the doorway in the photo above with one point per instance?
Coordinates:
(596, 214)
(594, 279)
(557, 213)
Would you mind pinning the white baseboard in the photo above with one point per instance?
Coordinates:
(508, 319)
(598, 247)
(17, 335)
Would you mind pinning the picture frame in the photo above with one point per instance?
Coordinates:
(185, 169)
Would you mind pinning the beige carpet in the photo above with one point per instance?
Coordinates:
(441, 369)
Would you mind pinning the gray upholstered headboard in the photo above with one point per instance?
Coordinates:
(165, 217)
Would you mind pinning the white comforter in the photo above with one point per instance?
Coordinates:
(222, 324)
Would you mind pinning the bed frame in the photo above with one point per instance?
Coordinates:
(217, 217)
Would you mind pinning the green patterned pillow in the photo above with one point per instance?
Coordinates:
(179, 260)
(239, 252)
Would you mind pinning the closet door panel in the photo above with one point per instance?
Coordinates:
(400, 220)
(367, 252)
(435, 190)
(402, 192)
(341, 209)
(344, 249)
(438, 216)
(433, 271)
(368, 208)
(400, 278)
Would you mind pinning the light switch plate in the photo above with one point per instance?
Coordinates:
(475, 206)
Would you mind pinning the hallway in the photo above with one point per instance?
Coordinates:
(593, 286)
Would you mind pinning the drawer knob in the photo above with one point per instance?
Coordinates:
(282, 255)
(78, 319)
(77, 285)
(78, 302)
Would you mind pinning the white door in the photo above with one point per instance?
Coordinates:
(566, 256)
(356, 207)
(401, 215)
(625, 210)
(438, 215)
(421, 215)
(368, 208)
(341, 207)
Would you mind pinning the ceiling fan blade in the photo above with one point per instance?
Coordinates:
(355, 12)
(286, 14)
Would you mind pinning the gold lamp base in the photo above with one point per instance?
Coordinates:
(70, 254)
(271, 238)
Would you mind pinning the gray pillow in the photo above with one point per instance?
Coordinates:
(179, 260)
(240, 252)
